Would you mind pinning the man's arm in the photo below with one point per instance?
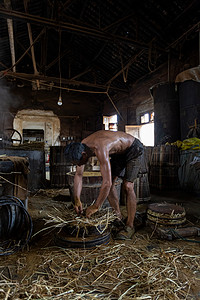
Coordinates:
(78, 188)
(105, 168)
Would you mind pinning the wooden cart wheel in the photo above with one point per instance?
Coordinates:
(11, 134)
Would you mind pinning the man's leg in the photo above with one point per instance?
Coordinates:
(128, 231)
(114, 200)
(131, 202)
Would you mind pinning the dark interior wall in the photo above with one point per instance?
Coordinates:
(79, 114)
(185, 56)
(128, 103)
(6, 120)
(8, 104)
(80, 127)
(117, 104)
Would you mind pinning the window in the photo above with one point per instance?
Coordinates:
(110, 123)
(152, 116)
(148, 117)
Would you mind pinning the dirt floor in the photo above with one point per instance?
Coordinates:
(146, 267)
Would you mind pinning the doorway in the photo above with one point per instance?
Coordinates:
(39, 126)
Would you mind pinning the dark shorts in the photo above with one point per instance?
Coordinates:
(128, 164)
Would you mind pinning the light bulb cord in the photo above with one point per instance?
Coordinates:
(59, 59)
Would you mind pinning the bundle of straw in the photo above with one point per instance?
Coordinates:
(100, 220)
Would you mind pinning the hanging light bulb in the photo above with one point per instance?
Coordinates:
(59, 101)
(60, 98)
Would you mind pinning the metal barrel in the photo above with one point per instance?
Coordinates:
(166, 109)
(189, 95)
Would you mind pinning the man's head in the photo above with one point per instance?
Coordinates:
(75, 153)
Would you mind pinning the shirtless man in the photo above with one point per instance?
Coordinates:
(117, 152)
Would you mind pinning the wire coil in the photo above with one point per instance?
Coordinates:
(15, 225)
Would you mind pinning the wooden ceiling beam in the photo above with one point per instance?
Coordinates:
(76, 29)
(8, 5)
(122, 20)
(66, 51)
(67, 4)
(24, 49)
(131, 61)
(64, 81)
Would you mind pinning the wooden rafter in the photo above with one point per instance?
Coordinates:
(31, 40)
(76, 29)
(56, 80)
(66, 51)
(131, 61)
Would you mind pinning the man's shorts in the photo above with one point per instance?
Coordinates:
(128, 164)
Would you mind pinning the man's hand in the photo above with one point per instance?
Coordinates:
(78, 207)
(91, 210)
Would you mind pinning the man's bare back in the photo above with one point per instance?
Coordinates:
(111, 141)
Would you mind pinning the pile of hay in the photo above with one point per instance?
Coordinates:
(140, 269)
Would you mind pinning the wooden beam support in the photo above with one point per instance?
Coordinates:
(76, 29)
(66, 51)
(31, 41)
(7, 4)
(132, 60)
(34, 77)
